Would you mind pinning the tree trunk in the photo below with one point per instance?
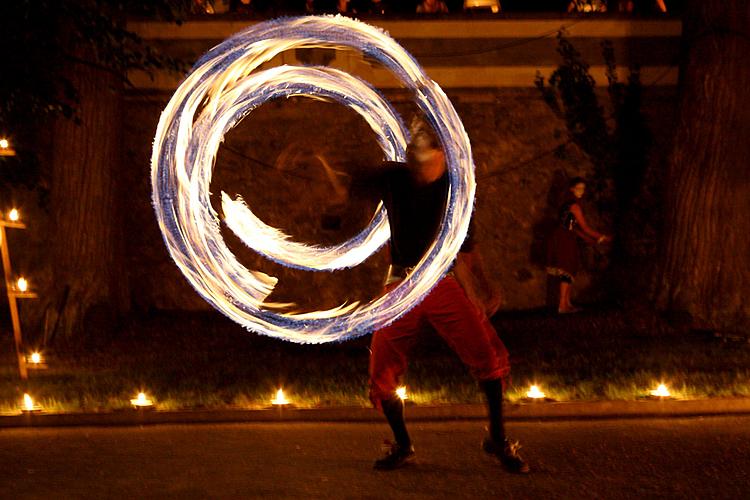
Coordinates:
(705, 262)
(90, 286)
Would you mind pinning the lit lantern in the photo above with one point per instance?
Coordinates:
(401, 393)
(35, 361)
(661, 392)
(13, 215)
(280, 399)
(22, 285)
(141, 401)
(535, 393)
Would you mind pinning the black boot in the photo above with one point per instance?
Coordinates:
(496, 443)
(401, 452)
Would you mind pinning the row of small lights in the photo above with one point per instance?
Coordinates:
(660, 392)
(142, 401)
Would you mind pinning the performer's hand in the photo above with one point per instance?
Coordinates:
(475, 299)
(493, 304)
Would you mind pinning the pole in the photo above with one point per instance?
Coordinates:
(12, 302)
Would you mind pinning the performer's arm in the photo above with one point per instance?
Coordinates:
(586, 232)
(340, 181)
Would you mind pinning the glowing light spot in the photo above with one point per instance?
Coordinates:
(280, 399)
(5, 149)
(141, 401)
(28, 404)
(13, 215)
(661, 391)
(401, 393)
(535, 393)
(22, 285)
(225, 86)
(36, 358)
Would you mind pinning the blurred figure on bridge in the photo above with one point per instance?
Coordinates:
(432, 7)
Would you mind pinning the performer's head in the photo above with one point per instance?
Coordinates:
(577, 186)
(424, 145)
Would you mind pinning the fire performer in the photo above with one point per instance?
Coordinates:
(458, 307)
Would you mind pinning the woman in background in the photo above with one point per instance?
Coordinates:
(563, 256)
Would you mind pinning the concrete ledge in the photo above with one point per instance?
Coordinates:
(514, 412)
(461, 28)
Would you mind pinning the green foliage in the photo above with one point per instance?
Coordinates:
(619, 151)
(42, 40)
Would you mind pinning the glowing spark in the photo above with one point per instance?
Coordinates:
(141, 401)
(36, 358)
(661, 391)
(223, 87)
(280, 399)
(22, 284)
(13, 215)
(401, 393)
(535, 393)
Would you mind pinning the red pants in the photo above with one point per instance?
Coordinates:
(457, 320)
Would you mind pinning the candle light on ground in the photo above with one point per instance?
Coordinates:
(661, 392)
(29, 405)
(35, 358)
(4, 144)
(401, 393)
(22, 284)
(13, 215)
(280, 399)
(535, 393)
(141, 401)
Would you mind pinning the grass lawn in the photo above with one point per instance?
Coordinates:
(205, 361)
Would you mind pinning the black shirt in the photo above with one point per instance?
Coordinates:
(414, 212)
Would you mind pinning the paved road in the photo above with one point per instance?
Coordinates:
(673, 458)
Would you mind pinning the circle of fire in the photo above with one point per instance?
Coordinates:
(222, 88)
